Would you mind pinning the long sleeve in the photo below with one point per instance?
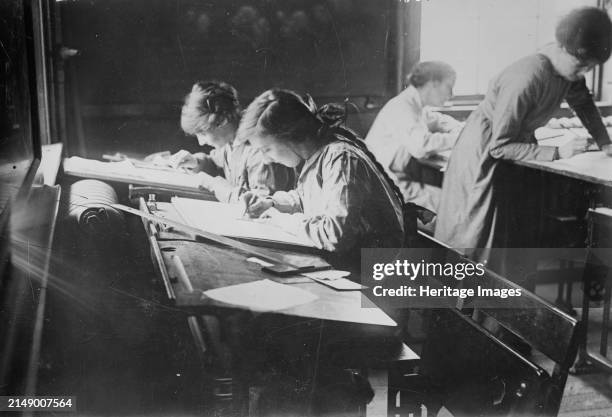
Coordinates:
(245, 170)
(256, 176)
(339, 225)
(413, 138)
(425, 143)
(287, 201)
(268, 177)
(580, 100)
(516, 97)
(439, 122)
(224, 191)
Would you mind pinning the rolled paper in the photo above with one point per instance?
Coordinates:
(90, 208)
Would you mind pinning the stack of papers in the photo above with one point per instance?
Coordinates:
(263, 295)
(125, 171)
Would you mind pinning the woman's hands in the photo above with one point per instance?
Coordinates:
(183, 159)
(256, 204)
(607, 149)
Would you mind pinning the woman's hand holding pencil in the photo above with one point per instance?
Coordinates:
(255, 204)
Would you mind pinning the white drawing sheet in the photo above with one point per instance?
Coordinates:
(227, 220)
(262, 295)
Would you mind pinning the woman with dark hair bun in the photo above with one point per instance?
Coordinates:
(211, 112)
(405, 129)
(523, 97)
(344, 201)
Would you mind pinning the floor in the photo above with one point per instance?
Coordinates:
(590, 394)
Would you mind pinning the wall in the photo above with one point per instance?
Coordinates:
(148, 53)
(481, 37)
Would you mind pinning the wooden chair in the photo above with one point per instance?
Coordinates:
(477, 359)
(468, 371)
(532, 322)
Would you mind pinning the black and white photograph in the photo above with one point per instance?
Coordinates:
(300, 208)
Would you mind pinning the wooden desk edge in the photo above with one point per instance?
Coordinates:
(567, 173)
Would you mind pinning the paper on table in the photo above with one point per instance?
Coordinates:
(328, 274)
(334, 278)
(331, 277)
(126, 172)
(263, 295)
(340, 284)
(594, 164)
(559, 137)
(226, 219)
(588, 160)
(259, 261)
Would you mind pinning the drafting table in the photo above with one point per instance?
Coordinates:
(208, 266)
(212, 266)
(594, 169)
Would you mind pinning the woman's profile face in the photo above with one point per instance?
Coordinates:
(218, 136)
(441, 91)
(276, 150)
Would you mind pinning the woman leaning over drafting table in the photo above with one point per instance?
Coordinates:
(211, 112)
(344, 201)
(406, 129)
(521, 98)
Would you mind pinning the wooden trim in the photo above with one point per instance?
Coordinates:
(53, 194)
(156, 251)
(410, 39)
(40, 63)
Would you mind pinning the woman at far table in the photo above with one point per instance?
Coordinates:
(406, 129)
(477, 187)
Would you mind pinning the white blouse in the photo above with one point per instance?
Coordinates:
(405, 129)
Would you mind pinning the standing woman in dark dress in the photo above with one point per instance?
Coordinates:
(520, 99)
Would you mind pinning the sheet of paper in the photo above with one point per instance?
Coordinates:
(340, 284)
(263, 295)
(125, 171)
(259, 261)
(594, 164)
(335, 279)
(227, 220)
(589, 161)
(546, 133)
(558, 137)
(563, 139)
(328, 274)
